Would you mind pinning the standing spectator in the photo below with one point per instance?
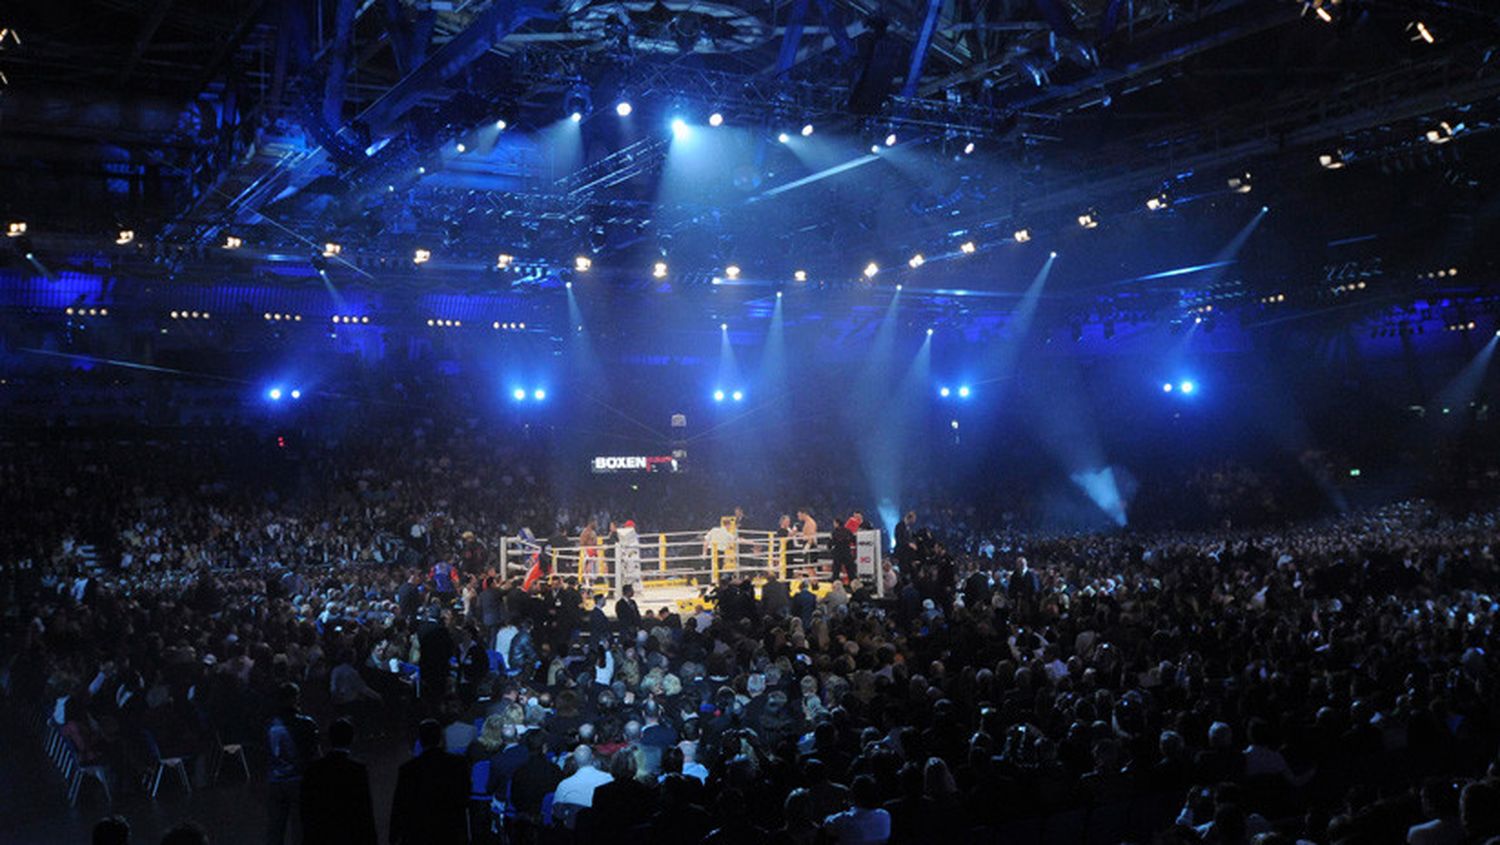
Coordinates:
(292, 742)
(336, 805)
(431, 802)
(863, 824)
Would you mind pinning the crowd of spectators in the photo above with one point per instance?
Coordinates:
(1326, 681)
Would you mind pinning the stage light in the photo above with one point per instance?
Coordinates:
(1422, 32)
(1089, 219)
(1334, 160)
(890, 140)
(518, 394)
(622, 109)
(659, 270)
(421, 170)
(576, 117)
(296, 394)
(1441, 135)
(500, 125)
(1158, 202)
(274, 394)
(738, 396)
(15, 229)
(783, 137)
(898, 287)
(874, 149)
(582, 264)
(568, 285)
(1022, 235)
(461, 148)
(807, 130)
(331, 250)
(231, 242)
(1052, 254)
(800, 276)
(953, 424)
(1166, 387)
(421, 256)
(718, 396)
(1187, 387)
(929, 332)
(778, 294)
(963, 392)
(916, 261)
(968, 248)
(716, 119)
(539, 394)
(871, 269)
(1240, 184)
(503, 261)
(680, 129)
(944, 392)
(732, 271)
(969, 148)
(125, 237)
(723, 327)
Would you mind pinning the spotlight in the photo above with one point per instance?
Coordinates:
(1158, 202)
(421, 170)
(275, 394)
(296, 394)
(1421, 30)
(890, 140)
(15, 229)
(738, 396)
(582, 264)
(783, 137)
(898, 287)
(659, 270)
(503, 261)
(963, 392)
(1166, 387)
(576, 117)
(461, 148)
(500, 125)
(1441, 135)
(1089, 219)
(929, 332)
(1186, 387)
(568, 285)
(967, 248)
(1240, 184)
(953, 424)
(1022, 235)
(125, 237)
(623, 109)
(231, 242)
(807, 130)
(331, 250)
(680, 128)
(421, 256)
(969, 148)
(716, 119)
(915, 261)
(539, 394)
(874, 148)
(723, 327)
(518, 394)
(718, 396)
(800, 276)
(1334, 160)
(778, 294)
(871, 269)
(1052, 254)
(732, 271)
(943, 392)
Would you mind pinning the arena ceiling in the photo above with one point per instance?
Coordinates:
(289, 124)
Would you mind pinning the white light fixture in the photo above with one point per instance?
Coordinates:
(968, 248)
(716, 119)
(914, 262)
(783, 137)
(659, 270)
(16, 229)
(732, 271)
(331, 250)
(890, 140)
(1422, 32)
(231, 242)
(461, 148)
(1240, 184)
(623, 109)
(503, 261)
(421, 256)
(871, 269)
(800, 276)
(582, 264)
(1022, 235)
(125, 237)
(500, 125)
(576, 117)
(807, 129)
(1333, 160)
(1089, 219)
(969, 148)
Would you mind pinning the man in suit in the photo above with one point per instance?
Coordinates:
(537, 777)
(804, 603)
(627, 612)
(431, 803)
(336, 806)
(775, 596)
(437, 650)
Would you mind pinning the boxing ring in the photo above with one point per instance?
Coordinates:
(669, 566)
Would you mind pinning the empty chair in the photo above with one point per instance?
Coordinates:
(163, 764)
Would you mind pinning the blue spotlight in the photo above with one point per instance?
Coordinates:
(539, 394)
(518, 394)
(718, 396)
(274, 394)
(1186, 387)
(716, 119)
(1166, 387)
(739, 396)
(944, 392)
(963, 392)
(576, 117)
(784, 138)
(680, 129)
(622, 109)
(296, 394)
